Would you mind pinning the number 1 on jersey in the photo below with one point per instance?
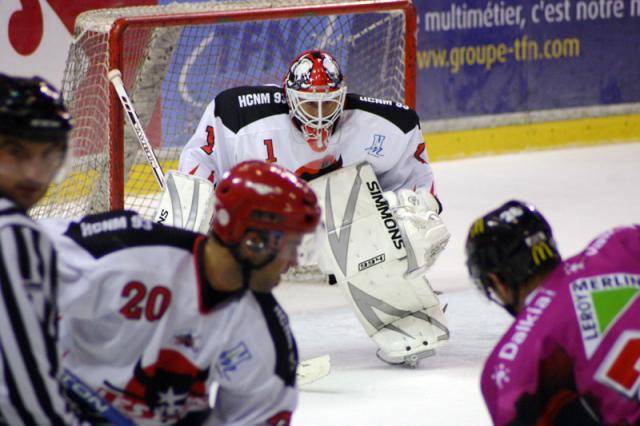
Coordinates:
(271, 158)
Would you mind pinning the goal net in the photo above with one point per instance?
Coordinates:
(175, 58)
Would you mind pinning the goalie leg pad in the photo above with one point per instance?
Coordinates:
(364, 249)
(416, 333)
(403, 317)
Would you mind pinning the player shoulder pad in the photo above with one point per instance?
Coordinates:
(105, 233)
(403, 117)
(241, 106)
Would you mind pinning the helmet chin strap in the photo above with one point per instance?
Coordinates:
(512, 307)
(247, 266)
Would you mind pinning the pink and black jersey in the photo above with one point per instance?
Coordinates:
(579, 332)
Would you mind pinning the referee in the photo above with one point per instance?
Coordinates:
(34, 126)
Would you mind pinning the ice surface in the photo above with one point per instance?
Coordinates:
(582, 192)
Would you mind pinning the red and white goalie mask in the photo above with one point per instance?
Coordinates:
(315, 93)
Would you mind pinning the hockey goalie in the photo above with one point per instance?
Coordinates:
(352, 148)
(378, 246)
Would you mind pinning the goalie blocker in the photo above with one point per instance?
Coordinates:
(379, 252)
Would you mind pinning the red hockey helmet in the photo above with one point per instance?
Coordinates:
(315, 91)
(263, 196)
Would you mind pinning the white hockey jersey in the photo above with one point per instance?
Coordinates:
(142, 325)
(253, 122)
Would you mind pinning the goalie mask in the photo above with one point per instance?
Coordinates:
(32, 109)
(315, 94)
(266, 200)
(515, 243)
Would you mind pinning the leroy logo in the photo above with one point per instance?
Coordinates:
(599, 301)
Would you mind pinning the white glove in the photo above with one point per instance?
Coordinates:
(424, 234)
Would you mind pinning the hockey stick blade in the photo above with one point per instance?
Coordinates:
(313, 369)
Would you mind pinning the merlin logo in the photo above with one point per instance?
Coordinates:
(599, 301)
(376, 146)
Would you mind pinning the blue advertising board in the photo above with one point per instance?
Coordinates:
(479, 57)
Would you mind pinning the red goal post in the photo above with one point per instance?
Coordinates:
(175, 58)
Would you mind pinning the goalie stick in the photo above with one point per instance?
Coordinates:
(115, 76)
(313, 369)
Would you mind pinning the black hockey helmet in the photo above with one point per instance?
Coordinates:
(31, 108)
(514, 242)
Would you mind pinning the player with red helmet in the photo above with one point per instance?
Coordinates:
(153, 315)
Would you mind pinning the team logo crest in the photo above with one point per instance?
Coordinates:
(231, 358)
(164, 392)
(376, 146)
(599, 301)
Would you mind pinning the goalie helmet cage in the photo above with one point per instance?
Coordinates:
(175, 58)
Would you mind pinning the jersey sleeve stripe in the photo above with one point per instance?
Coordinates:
(43, 250)
(49, 273)
(15, 397)
(22, 253)
(23, 337)
(283, 340)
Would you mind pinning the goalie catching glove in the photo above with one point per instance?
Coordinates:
(425, 235)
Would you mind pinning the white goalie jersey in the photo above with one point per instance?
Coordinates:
(253, 122)
(142, 325)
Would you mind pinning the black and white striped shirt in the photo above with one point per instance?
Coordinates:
(29, 391)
